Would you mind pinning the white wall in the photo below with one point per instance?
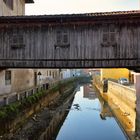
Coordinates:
(67, 73)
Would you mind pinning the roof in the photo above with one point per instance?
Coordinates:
(67, 18)
(29, 1)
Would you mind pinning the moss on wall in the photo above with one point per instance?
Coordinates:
(14, 115)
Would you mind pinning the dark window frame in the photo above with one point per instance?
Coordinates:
(17, 41)
(62, 38)
(109, 35)
(8, 77)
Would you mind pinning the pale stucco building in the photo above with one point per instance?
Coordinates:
(13, 7)
(13, 80)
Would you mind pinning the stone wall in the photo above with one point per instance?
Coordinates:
(22, 79)
(122, 101)
(125, 99)
(50, 98)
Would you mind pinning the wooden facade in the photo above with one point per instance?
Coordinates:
(71, 41)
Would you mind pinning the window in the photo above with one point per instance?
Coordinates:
(50, 73)
(9, 3)
(109, 35)
(7, 77)
(47, 72)
(17, 41)
(62, 38)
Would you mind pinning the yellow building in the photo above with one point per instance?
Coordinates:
(115, 73)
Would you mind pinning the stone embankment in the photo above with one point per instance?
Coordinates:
(14, 116)
(122, 101)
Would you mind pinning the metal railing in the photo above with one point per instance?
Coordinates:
(7, 99)
(20, 95)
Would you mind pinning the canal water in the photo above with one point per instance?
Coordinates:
(89, 119)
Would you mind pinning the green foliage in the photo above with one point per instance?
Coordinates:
(3, 114)
(9, 112)
(32, 99)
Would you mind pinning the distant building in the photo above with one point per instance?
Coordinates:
(48, 75)
(114, 73)
(67, 73)
(89, 93)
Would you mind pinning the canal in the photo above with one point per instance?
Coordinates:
(89, 118)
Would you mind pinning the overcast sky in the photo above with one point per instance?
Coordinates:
(41, 7)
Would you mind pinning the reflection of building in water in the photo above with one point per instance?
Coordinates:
(105, 111)
(89, 92)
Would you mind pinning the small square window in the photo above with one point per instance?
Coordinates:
(62, 37)
(8, 77)
(17, 41)
(109, 35)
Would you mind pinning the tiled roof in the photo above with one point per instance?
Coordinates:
(114, 13)
(98, 14)
(117, 15)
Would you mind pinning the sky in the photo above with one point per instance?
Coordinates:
(49, 7)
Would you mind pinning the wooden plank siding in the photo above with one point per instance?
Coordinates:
(85, 46)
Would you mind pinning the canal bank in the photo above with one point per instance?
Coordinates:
(89, 118)
(44, 124)
(33, 105)
(122, 102)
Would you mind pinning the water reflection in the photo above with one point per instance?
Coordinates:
(89, 118)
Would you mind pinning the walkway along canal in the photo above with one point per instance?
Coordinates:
(90, 118)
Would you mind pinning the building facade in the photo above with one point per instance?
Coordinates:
(114, 73)
(14, 80)
(13, 7)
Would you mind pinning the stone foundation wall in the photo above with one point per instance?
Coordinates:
(125, 98)
(50, 98)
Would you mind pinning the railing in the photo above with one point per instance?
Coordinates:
(7, 99)
(20, 95)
